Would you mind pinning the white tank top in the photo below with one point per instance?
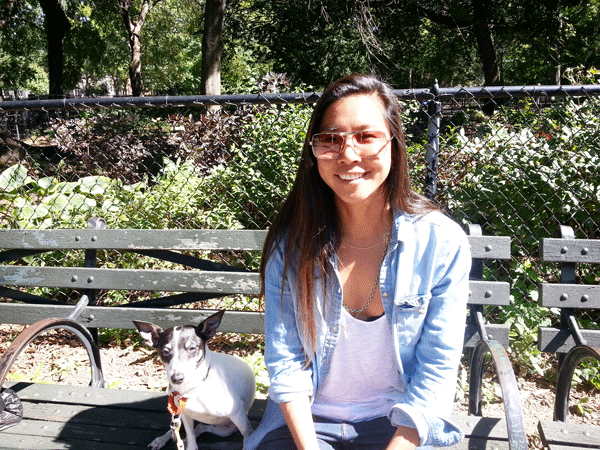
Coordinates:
(363, 379)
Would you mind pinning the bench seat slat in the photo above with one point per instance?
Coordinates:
(554, 340)
(86, 396)
(561, 295)
(26, 436)
(570, 250)
(493, 428)
(570, 435)
(131, 279)
(64, 239)
(44, 435)
(74, 431)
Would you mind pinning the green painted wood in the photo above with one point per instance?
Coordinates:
(131, 279)
(570, 250)
(133, 239)
(554, 340)
(489, 293)
(490, 247)
(570, 435)
(121, 317)
(579, 296)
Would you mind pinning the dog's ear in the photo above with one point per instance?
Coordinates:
(208, 327)
(149, 332)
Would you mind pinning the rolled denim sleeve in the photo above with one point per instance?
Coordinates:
(284, 350)
(432, 371)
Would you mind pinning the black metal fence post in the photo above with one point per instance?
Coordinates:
(434, 108)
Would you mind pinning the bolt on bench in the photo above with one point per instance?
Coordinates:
(572, 343)
(62, 416)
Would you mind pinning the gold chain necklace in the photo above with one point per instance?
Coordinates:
(357, 312)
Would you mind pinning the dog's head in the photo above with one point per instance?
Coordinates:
(182, 350)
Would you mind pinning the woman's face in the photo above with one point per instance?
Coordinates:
(354, 180)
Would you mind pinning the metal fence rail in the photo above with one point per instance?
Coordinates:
(518, 160)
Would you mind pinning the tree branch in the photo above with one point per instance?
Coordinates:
(442, 19)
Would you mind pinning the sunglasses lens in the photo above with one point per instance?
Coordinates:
(367, 144)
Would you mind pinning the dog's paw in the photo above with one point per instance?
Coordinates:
(159, 442)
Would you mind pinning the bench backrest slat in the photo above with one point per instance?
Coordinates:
(570, 250)
(131, 279)
(578, 296)
(555, 340)
(118, 317)
(490, 247)
(66, 239)
(489, 293)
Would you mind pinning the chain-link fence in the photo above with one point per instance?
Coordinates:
(517, 160)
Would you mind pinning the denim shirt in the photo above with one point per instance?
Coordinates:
(424, 283)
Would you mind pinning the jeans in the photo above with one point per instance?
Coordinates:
(374, 434)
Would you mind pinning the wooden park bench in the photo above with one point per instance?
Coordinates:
(571, 342)
(63, 416)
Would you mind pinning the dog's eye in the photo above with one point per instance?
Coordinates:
(165, 352)
(193, 348)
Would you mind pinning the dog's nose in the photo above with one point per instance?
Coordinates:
(177, 378)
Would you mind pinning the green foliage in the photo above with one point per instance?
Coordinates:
(256, 360)
(587, 372)
(261, 172)
(22, 58)
(524, 316)
(545, 162)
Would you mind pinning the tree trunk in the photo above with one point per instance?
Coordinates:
(485, 44)
(212, 47)
(134, 28)
(487, 52)
(56, 24)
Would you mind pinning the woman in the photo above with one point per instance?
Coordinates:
(365, 286)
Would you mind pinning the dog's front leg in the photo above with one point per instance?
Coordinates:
(190, 435)
(240, 419)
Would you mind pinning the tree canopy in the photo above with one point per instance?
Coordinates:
(156, 46)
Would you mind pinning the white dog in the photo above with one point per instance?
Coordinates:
(214, 389)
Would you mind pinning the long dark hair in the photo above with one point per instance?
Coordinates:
(308, 218)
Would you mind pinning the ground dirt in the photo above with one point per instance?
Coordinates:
(58, 358)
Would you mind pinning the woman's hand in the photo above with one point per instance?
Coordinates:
(298, 417)
(404, 439)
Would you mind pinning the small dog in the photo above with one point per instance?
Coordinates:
(215, 389)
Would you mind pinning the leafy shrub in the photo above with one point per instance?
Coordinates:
(524, 178)
(262, 168)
